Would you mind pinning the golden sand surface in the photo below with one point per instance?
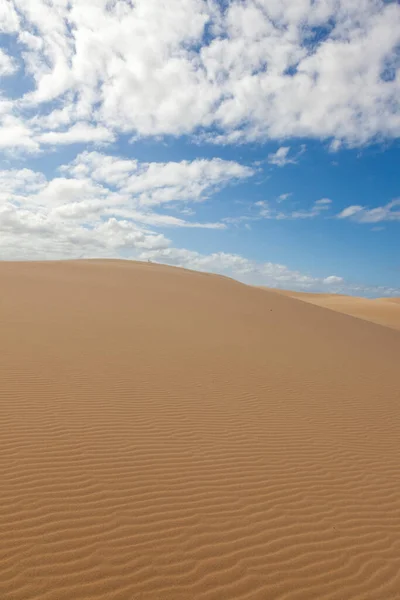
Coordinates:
(172, 435)
(384, 311)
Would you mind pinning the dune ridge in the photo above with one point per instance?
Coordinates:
(167, 435)
(396, 300)
(384, 311)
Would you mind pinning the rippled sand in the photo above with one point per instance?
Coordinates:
(166, 434)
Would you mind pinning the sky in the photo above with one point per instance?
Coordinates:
(254, 138)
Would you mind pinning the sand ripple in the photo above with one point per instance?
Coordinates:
(171, 435)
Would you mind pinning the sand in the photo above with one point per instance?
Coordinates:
(166, 434)
(385, 311)
(396, 300)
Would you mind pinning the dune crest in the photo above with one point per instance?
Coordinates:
(383, 311)
(167, 435)
(395, 300)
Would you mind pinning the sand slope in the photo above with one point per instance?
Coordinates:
(385, 311)
(396, 300)
(166, 434)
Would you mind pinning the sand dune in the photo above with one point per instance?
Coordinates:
(385, 311)
(396, 300)
(171, 435)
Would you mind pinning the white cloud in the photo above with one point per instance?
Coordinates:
(80, 132)
(14, 181)
(335, 145)
(362, 214)
(332, 279)
(15, 134)
(160, 220)
(155, 184)
(120, 234)
(7, 64)
(32, 230)
(268, 212)
(315, 211)
(280, 157)
(350, 211)
(269, 70)
(283, 197)
(9, 21)
(239, 219)
(97, 205)
(323, 202)
(111, 170)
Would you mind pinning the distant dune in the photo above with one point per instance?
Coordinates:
(172, 435)
(396, 300)
(385, 311)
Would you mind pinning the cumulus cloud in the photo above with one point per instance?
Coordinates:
(14, 181)
(362, 214)
(101, 204)
(15, 134)
(7, 64)
(159, 183)
(332, 279)
(237, 71)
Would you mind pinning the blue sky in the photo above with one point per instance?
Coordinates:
(259, 138)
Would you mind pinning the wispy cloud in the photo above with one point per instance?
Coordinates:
(315, 211)
(267, 211)
(362, 214)
(280, 158)
(283, 197)
(239, 219)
